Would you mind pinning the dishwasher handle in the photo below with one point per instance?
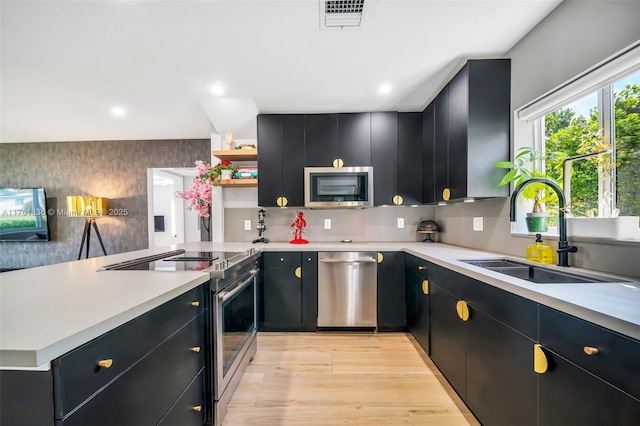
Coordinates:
(357, 260)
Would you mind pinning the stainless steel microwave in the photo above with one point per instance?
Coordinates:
(338, 187)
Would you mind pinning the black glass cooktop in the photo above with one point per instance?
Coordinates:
(188, 261)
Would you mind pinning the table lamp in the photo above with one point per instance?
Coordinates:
(89, 208)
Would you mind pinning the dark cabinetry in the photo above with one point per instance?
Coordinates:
(417, 299)
(391, 292)
(482, 341)
(471, 132)
(338, 140)
(281, 160)
(593, 375)
(289, 291)
(428, 154)
(410, 158)
(384, 156)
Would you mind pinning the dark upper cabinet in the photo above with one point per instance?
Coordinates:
(391, 296)
(472, 131)
(354, 139)
(428, 154)
(321, 139)
(410, 157)
(384, 156)
(281, 157)
(441, 144)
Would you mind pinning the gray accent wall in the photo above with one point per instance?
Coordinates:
(576, 36)
(113, 169)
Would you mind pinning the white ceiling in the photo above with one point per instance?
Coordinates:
(65, 64)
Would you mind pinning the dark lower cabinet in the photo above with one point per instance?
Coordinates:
(569, 395)
(189, 409)
(290, 291)
(447, 337)
(410, 282)
(501, 385)
(391, 286)
(26, 398)
(417, 299)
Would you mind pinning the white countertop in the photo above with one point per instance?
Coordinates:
(48, 311)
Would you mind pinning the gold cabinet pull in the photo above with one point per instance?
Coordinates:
(195, 303)
(425, 286)
(397, 200)
(540, 363)
(446, 194)
(463, 310)
(421, 268)
(298, 272)
(338, 162)
(380, 257)
(195, 349)
(105, 363)
(197, 408)
(590, 350)
(282, 201)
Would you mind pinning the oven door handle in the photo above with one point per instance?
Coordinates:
(226, 295)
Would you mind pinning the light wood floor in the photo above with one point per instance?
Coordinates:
(337, 379)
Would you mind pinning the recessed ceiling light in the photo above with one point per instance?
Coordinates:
(118, 111)
(217, 89)
(385, 88)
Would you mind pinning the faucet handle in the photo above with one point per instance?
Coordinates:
(567, 249)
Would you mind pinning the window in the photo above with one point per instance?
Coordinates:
(598, 137)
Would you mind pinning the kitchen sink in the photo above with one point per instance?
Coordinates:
(537, 274)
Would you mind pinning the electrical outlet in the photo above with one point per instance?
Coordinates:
(327, 224)
(247, 225)
(478, 224)
(400, 222)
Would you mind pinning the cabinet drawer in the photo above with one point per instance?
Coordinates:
(77, 374)
(144, 393)
(282, 259)
(185, 411)
(616, 361)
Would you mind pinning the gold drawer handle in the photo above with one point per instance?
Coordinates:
(446, 194)
(282, 201)
(197, 408)
(540, 363)
(195, 349)
(380, 257)
(590, 350)
(195, 304)
(421, 268)
(425, 286)
(105, 363)
(397, 200)
(463, 310)
(338, 162)
(298, 272)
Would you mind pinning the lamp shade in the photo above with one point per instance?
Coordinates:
(81, 206)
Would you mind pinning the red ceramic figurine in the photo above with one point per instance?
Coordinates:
(299, 223)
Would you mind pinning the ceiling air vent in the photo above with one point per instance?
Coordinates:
(340, 14)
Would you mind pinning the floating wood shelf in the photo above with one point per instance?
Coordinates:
(238, 183)
(237, 155)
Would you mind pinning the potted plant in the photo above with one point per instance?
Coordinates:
(522, 169)
(224, 170)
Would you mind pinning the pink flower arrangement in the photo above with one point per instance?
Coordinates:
(199, 195)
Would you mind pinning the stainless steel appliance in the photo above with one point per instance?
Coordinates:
(347, 289)
(231, 329)
(338, 186)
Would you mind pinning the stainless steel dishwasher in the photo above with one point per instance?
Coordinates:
(347, 289)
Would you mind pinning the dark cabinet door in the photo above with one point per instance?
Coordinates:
(428, 154)
(354, 139)
(384, 156)
(321, 139)
(282, 299)
(391, 297)
(501, 385)
(269, 159)
(421, 290)
(309, 290)
(293, 158)
(458, 136)
(448, 337)
(441, 143)
(410, 157)
(569, 395)
(410, 280)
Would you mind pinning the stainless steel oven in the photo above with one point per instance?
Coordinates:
(234, 337)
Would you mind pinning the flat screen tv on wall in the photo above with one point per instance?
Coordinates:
(23, 215)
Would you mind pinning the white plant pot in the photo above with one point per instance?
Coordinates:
(619, 228)
(226, 174)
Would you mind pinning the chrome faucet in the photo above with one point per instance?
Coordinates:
(563, 246)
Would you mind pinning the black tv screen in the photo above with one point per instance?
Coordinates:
(23, 214)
